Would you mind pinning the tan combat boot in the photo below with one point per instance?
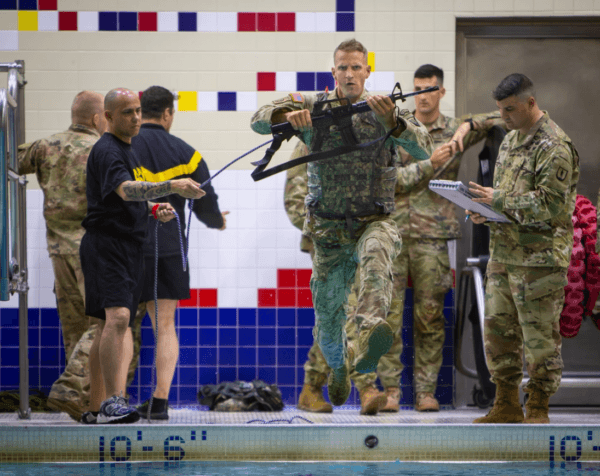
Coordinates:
(311, 400)
(507, 408)
(426, 402)
(536, 407)
(392, 400)
(371, 400)
(339, 384)
(372, 344)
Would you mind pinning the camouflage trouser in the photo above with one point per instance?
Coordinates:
(74, 383)
(374, 246)
(70, 293)
(522, 309)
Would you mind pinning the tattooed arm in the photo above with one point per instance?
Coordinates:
(141, 191)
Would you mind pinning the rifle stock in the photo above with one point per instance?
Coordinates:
(326, 118)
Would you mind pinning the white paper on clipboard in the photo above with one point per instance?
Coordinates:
(459, 194)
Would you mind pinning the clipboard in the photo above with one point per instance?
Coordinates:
(459, 194)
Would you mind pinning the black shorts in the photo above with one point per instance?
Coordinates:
(113, 271)
(173, 282)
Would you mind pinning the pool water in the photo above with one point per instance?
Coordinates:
(217, 468)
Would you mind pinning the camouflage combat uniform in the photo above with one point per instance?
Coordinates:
(426, 222)
(59, 163)
(344, 234)
(535, 187)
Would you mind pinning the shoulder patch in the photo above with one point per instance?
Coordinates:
(297, 97)
(561, 174)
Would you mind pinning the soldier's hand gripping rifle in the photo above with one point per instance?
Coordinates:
(340, 116)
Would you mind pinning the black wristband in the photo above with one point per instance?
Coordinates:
(470, 121)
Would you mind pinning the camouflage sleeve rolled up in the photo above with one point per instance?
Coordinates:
(549, 192)
(483, 123)
(296, 188)
(261, 120)
(414, 139)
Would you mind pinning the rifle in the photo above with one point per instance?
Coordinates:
(324, 119)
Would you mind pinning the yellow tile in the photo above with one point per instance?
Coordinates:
(371, 60)
(188, 101)
(28, 21)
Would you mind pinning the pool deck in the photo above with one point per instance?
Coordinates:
(292, 435)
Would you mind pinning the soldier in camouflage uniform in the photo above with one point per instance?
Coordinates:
(59, 163)
(349, 201)
(535, 188)
(427, 221)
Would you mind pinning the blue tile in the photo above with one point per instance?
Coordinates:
(447, 356)
(407, 357)
(247, 356)
(188, 317)
(33, 355)
(127, 21)
(147, 336)
(247, 336)
(344, 5)
(305, 337)
(288, 395)
(145, 376)
(50, 337)
(27, 4)
(175, 381)
(266, 336)
(306, 317)
(188, 21)
(9, 376)
(189, 335)
(188, 356)
(188, 375)
(247, 317)
(267, 374)
(133, 395)
(247, 373)
(107, 21)
(10, 317)
(47, 376)
(49, 317)
(135, 380)
(445, 395)
(344, 21)
(446, 376)
(302, 355)
(8, 5)
(146, 356)
(34, 377)
(227, 374)
(227, 317)
(173, 393)
(407, 397)
(33, 317)
(407, 336)
(9, 355)
(286, 356)
(208, 317)
(325, 80)
(266, 356)
(227, 101)
(227, 356)
(33, 337)
(266, 317)
(207, 356)
(227, 337)
(207, 375)
(406, 377)
(449, 299)
(305, 81)
(286, 317)
(286, 336)
(188, 396)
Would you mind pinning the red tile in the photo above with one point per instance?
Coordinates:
(265, 81)
(266, 297)
(266, 22)
(192, 301)
(246, 21)
(286, 278)
(286, 21)
(303, 276)
(67, 21)
(207, 297)
(286, 298)
(47, 4)
(147, 21)
(304, 298)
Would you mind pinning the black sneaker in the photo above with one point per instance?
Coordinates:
(88, 418)
(159, 410)
(117, 410)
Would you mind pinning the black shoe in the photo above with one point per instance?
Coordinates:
(88, 418)
(159, 410)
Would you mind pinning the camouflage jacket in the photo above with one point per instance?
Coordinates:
(598, 221)
(421, 213)
(296, 189)
(59, 163)
(414, 138)
(535, 184)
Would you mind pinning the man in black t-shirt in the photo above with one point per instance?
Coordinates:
(111, 250)
(163, 156)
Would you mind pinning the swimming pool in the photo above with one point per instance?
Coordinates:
(217, 468)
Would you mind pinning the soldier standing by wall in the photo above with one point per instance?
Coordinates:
(59, 162)
(349, 201)
(535, 188)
